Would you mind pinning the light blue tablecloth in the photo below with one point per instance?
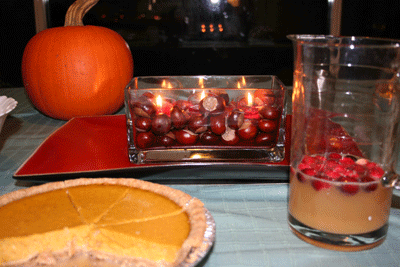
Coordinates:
(251, 219)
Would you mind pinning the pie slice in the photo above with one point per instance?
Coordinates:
(113, 220)
(92, 207)
(135, 207)
(149, 240)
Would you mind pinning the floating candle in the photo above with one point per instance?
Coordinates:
(251, 111)
(163, 106)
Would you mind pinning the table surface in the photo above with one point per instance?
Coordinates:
(251, 218)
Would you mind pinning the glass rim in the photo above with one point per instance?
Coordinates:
(344, 41)
(207, 81)
(204, 76)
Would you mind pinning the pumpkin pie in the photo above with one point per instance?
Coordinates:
(125, 221)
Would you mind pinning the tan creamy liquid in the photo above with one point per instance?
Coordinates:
(333, 211)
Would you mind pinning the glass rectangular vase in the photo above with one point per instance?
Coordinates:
(206, 119)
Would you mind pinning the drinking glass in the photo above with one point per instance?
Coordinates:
(345, 136)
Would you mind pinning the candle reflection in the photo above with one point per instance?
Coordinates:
(165, 84)
(203, 94)
(201, 82)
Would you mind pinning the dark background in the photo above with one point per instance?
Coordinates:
(167, 40)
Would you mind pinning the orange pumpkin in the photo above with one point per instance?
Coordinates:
(77, 70)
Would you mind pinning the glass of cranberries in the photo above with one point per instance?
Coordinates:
(206, 118)
(345, 140)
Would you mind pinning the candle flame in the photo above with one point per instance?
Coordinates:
(163, 84)
(169, 85)
(249, 100)
(243, 81)
(203, 95)
(238, 85)
(159, 101)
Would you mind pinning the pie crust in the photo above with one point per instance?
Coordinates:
(70, 242)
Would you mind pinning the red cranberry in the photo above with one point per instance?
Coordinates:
(145, 140)
(359, 169)
(248, 130)
(268, 112)
(334, 156)
(370, 187)
(347, 161)
(161, 124)
(375, 172)
(186, 137)
(267, 125)
(217, 124)
(143, 124)
(320, 185)
(301, 175)
(348, 186)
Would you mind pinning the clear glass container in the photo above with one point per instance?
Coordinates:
(206, 118)
(345, 139)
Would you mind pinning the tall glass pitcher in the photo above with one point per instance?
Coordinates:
(345, 139)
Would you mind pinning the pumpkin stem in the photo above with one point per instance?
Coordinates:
(77, 11)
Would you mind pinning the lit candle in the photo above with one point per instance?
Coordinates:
(251, 111)
(159, 104)
(249, 100)
(163, 106)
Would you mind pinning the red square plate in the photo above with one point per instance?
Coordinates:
(98, 147)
